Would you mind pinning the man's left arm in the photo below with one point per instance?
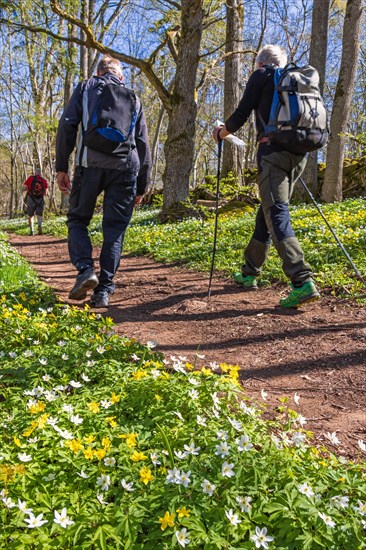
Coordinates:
(46, 187)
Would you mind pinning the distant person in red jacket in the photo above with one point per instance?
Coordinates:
(37, 189)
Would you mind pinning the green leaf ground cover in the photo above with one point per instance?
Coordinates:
(106, 444)
(190, 242)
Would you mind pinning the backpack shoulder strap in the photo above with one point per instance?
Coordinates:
(269, 75)
(271, 126)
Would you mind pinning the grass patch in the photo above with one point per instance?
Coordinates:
(107, 444)
(190, 242)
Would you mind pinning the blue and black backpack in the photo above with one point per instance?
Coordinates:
(110, 129)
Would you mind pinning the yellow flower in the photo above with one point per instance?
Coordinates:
(42, 420)
(89, 453)
(145, 475)
(166, 521)
(100, 453)
(225, 367)
(93, 407)
(131, 440)
(30, 430)
(139, 374)
(137, 456)
(37, 407)
(234, 375)
(189, 366)
(206, 372)
(75, 445)
(111, 421)
(115, 398)
(183, 512)
(158, 397)
(17, 442)
(106, 442)
(7, 473)
(165, 375)
(89, 439)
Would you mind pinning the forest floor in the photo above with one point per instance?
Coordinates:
(318, 351)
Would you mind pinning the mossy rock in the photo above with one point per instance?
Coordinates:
(234, 206)
(202, 193)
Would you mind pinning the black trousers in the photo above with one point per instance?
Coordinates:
(119, 196)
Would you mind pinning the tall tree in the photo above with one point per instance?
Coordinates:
(317, 58)
(233, 156)
(332, 187)
(179, 145)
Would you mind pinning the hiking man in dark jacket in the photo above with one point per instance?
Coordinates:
(278, 171)
(36, 188)
(120, 167)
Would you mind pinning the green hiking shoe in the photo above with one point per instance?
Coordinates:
(248, 282)
(302, 295)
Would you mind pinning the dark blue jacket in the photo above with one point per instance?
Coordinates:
(69, 133)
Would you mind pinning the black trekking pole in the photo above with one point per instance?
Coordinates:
(219, 143)
(358, 274)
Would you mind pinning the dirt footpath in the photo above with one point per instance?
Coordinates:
(319, 351)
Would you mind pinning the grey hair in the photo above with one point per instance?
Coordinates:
(271, 54)
(109, 64)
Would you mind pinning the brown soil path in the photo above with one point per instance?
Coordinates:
(318, 352)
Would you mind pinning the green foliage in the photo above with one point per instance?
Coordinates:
(190, 241)
(105, 445)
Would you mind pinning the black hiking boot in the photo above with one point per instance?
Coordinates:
(99, 299)
(87, 280)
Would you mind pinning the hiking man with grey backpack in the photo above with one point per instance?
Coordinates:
(291, 121)
(107, 123)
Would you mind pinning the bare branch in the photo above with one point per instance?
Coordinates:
(91, 41)
(171, 44)
(212, 65)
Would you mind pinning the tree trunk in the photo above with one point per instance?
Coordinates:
(68, 89)
(179, 145)
(317, 58)
(332, 187)
(155, 147)
(233, 156)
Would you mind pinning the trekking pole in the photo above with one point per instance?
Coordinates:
(358, 274)
(219, 143)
